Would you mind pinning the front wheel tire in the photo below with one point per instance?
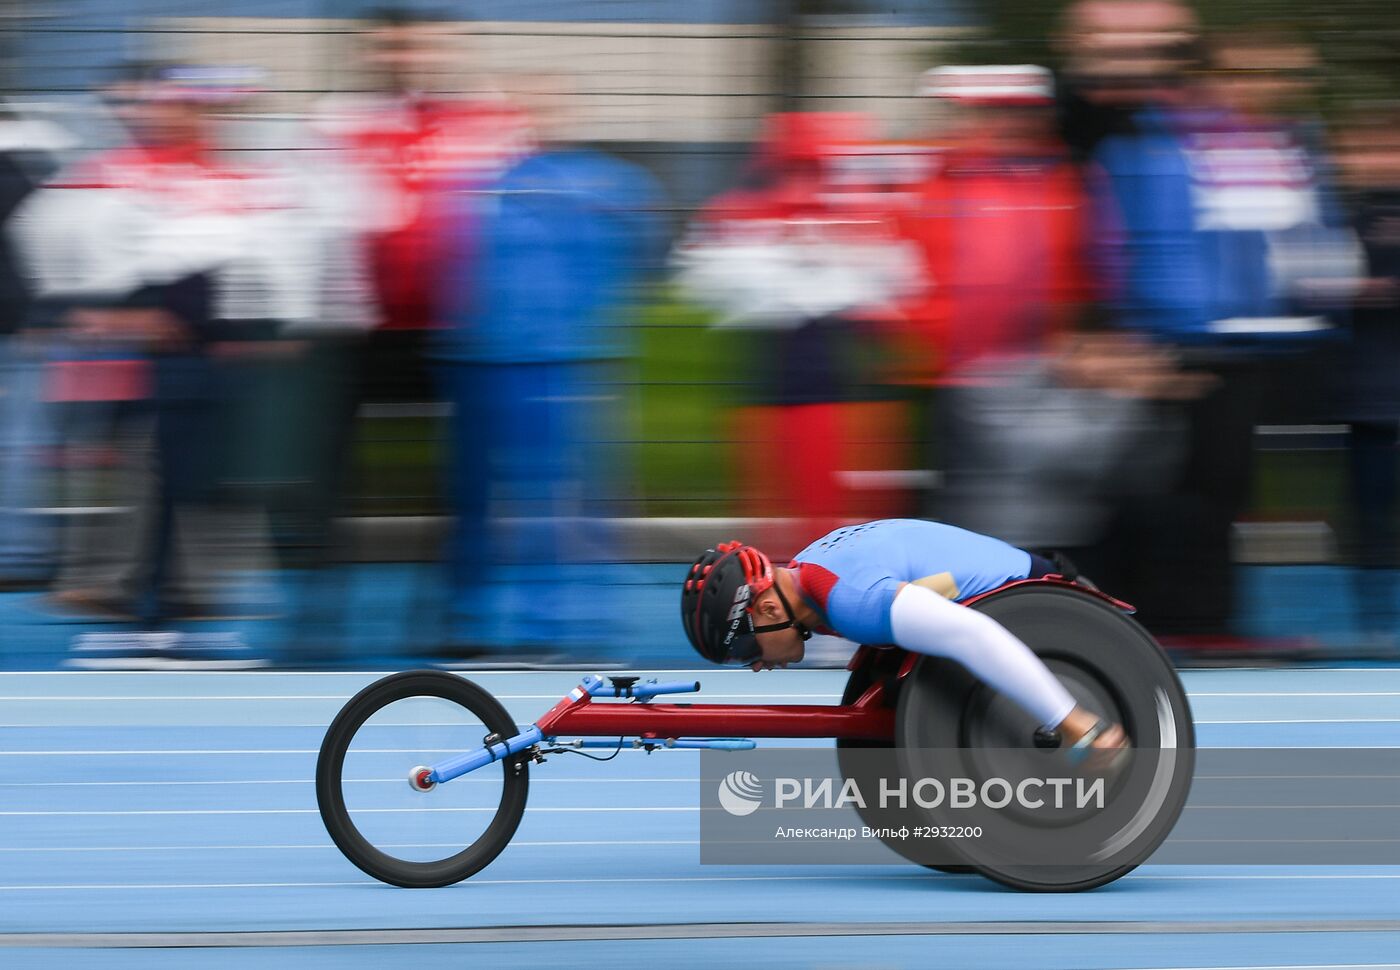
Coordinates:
(404, 834)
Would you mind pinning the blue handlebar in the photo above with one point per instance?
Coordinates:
(598, 687)
(719, 744)
(672, 687)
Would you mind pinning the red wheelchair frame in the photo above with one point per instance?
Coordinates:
(869, 718)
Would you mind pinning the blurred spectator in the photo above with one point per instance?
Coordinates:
(803, 255)
(1231, 253)
(407, 145)
(1046, 447)
(1002, 225)
(1002, 222)
(154, 258)
(27, 542)
(1369, 383)
(1118, 55)
(402, 144)
(95, 389)
(544, 263)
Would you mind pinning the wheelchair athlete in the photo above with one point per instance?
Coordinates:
(891, 581)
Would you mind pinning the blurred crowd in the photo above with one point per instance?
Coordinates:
(194, 329)
(1080, 291)
(1054, 314)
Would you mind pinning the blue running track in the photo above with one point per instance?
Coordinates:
(181, 805)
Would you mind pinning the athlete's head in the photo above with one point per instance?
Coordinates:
(172, 104)
(407, 49)
(735, 611)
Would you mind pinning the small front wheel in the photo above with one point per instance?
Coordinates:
(418, 836)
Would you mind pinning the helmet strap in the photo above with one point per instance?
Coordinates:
(792, 623)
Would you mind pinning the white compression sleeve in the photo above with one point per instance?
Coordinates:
(926, 623)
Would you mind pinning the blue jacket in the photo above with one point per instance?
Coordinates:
(546, 255)
(1181, 270)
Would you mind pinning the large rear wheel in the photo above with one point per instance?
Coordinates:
(951, 725)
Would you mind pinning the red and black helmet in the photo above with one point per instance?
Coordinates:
(717, 603)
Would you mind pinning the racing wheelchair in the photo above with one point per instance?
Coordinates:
(422, 731)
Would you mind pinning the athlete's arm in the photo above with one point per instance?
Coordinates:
(924, 622)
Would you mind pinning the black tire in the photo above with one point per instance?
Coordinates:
(330, 794)
(860, 680)
(951, 725)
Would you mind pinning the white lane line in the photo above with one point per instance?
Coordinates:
(148, 752)
(369, 883)
(33, 698)
(673, 931)
(128, 887)
(1291, 877)
(713, 672)
(1312, 720)
(146, 698)
(1201, 778)
(208, 751)
(1285, 966)
(1294, 671)
(166, 783)
(588, 881)
(370, 676)
(1252, 808)
(463, 723)
(354, 811)
(670, 751)
(1295, 693)
(514, 844)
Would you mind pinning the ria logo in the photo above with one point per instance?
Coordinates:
(740, 793)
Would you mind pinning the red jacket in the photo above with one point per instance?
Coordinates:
(1003, 243)
(416, 151)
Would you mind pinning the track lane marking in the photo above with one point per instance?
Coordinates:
(514, 843)
(675, 931)
(166, 783)
(356, 811)
(647, 880)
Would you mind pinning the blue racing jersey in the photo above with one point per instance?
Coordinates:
(851, 575)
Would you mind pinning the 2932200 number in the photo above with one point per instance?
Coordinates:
(947, 832)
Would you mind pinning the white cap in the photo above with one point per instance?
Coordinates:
(210, 84)
(991, 84)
